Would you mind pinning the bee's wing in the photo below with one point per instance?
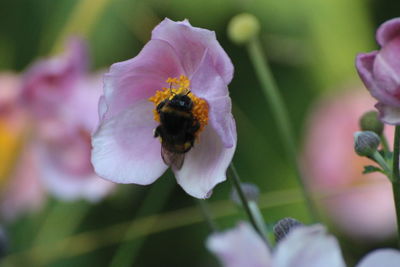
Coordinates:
(175, 160)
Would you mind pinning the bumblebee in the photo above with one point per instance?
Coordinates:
(177, 129)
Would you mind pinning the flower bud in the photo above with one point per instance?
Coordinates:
(366, 143)
(243, 27)
(284, 226)
(369, 121)
(250, 190)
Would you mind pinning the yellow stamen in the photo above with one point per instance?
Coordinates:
(181, 85)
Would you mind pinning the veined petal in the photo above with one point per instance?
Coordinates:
(381, 257)
(102, 107)
(365, 64)
(140, 77)
(387, 31)
(389, 114)
(240, 247)
(222, 121)
(124, 149)
(190, 43)
(206, 81)
(308, 246)
(387, 68)
(205, 164)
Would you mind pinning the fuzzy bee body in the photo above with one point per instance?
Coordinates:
(177, 129)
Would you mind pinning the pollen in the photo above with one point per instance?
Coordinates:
(177, 86)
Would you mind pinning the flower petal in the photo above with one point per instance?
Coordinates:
(222, 121)
(190, 43)
(124, 149)
(25, 191)
(365, 64)
(387, 31)
(381, 257)
(387, 68)
(308, 246)
(70, 187)
(140, 77)
(205, 164)
(389, 114)
(240, 247)
(206, 81)
(50, 81)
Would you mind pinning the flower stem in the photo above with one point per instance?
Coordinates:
(382, 162)
(279, 111)
(245, 203)
(396, 178)
(207, 214)
(385, 144)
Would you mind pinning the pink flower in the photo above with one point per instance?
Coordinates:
(23, 191)
(49, 81)
(177, 60)
(65, 109)
(360, 205)
(304, 246)
(380, 71)
(20, 188)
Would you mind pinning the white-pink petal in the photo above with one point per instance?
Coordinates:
(124, 149)
(140, 77)
(205, 164)
(381, 258)
(308, 246)
(389, 114)
(221, 119)
(190, 43)
(240, 247)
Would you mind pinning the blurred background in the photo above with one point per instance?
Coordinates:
(311, 46)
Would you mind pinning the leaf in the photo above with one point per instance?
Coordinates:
(371, 169)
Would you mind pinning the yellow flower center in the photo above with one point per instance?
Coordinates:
(178, 86)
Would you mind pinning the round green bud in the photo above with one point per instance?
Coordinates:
(366, 143)
(369, 121)
(243, 27)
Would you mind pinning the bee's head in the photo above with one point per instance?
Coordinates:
(181, 102)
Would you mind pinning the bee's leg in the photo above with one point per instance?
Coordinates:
(159, 106)
(157, 131)
(195, 127)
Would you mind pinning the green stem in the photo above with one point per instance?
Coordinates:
(207, 214)
(382, 162)
(396, 178)
(245, 203)
(255, 210)
(280, 114)
(385, 144)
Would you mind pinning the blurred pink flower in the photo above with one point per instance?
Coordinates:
(360, 205)
(21, 191)
(124, 147)
(49, 81)
(63, 100)
(24, 191)
(304, 246)
(380, 71)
